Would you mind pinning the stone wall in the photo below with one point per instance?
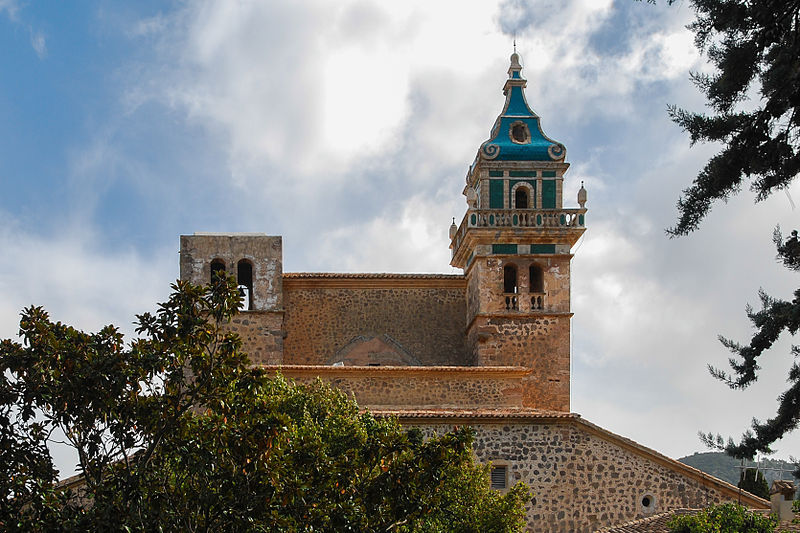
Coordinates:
(585, 478)
(262, 335)
(420, 387)
(537, 341)
(374, 319)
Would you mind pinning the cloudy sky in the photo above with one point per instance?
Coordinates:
(347, 127)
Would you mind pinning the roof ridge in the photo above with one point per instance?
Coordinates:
(433, 275)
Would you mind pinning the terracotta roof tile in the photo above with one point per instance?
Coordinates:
(658, 523)
(369, 275)
(515, 413)
(651, 524)
(443, 370)
(782, 486)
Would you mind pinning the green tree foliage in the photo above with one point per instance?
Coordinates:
(725, 518)
(754, 102)
(177, 433)
(753, 481)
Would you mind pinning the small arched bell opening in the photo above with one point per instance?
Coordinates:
(217, 271)
(521, 198)
(244, 280)
(510, 287)
(536, 286)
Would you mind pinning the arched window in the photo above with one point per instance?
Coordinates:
(536, 281)
(217, 270)
(536, 278)
(244, 279)
(510, 286)
(509, 278)
(521, 198)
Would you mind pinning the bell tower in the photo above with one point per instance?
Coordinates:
(514, 244)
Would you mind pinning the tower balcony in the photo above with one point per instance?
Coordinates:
(567, 223)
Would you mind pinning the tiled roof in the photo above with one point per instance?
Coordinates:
(368, 275)
(323, 370)
(782, 486)
(488, 414)
(651, 524)
(658, 523)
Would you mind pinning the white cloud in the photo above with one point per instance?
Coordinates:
(37, 37)
(648, 311)
(38, 42)
(11, 7)
(407, 241)
(76, 282)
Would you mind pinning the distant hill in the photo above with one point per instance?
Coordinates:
(720, 465)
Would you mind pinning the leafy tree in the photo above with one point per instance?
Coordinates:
(752, 480)
(176, 432)
(754, 101)
(725, 518)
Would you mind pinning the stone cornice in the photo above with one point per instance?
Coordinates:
(520, 259)
(446, 372)
(246, 312)
(295, 281)
(516, 315)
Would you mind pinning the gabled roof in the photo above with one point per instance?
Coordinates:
(500, 416)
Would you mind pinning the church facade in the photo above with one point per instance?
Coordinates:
(488, 348)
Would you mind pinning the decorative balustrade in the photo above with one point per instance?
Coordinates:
(512, 301)
(519, 218)
(518, 301)
(537, 301)
(525, 218)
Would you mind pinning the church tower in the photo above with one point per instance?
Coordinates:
(514, 244)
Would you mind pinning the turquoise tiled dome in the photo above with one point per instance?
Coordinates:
(517, 134)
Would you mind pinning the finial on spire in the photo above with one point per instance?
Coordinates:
(515, 43)
(514, 71)
(582, 196)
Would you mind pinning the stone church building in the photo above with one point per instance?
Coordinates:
(488, 348)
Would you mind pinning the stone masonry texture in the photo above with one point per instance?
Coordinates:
(581, 480)
(420, 387)
(262, 335)
(425, 324)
